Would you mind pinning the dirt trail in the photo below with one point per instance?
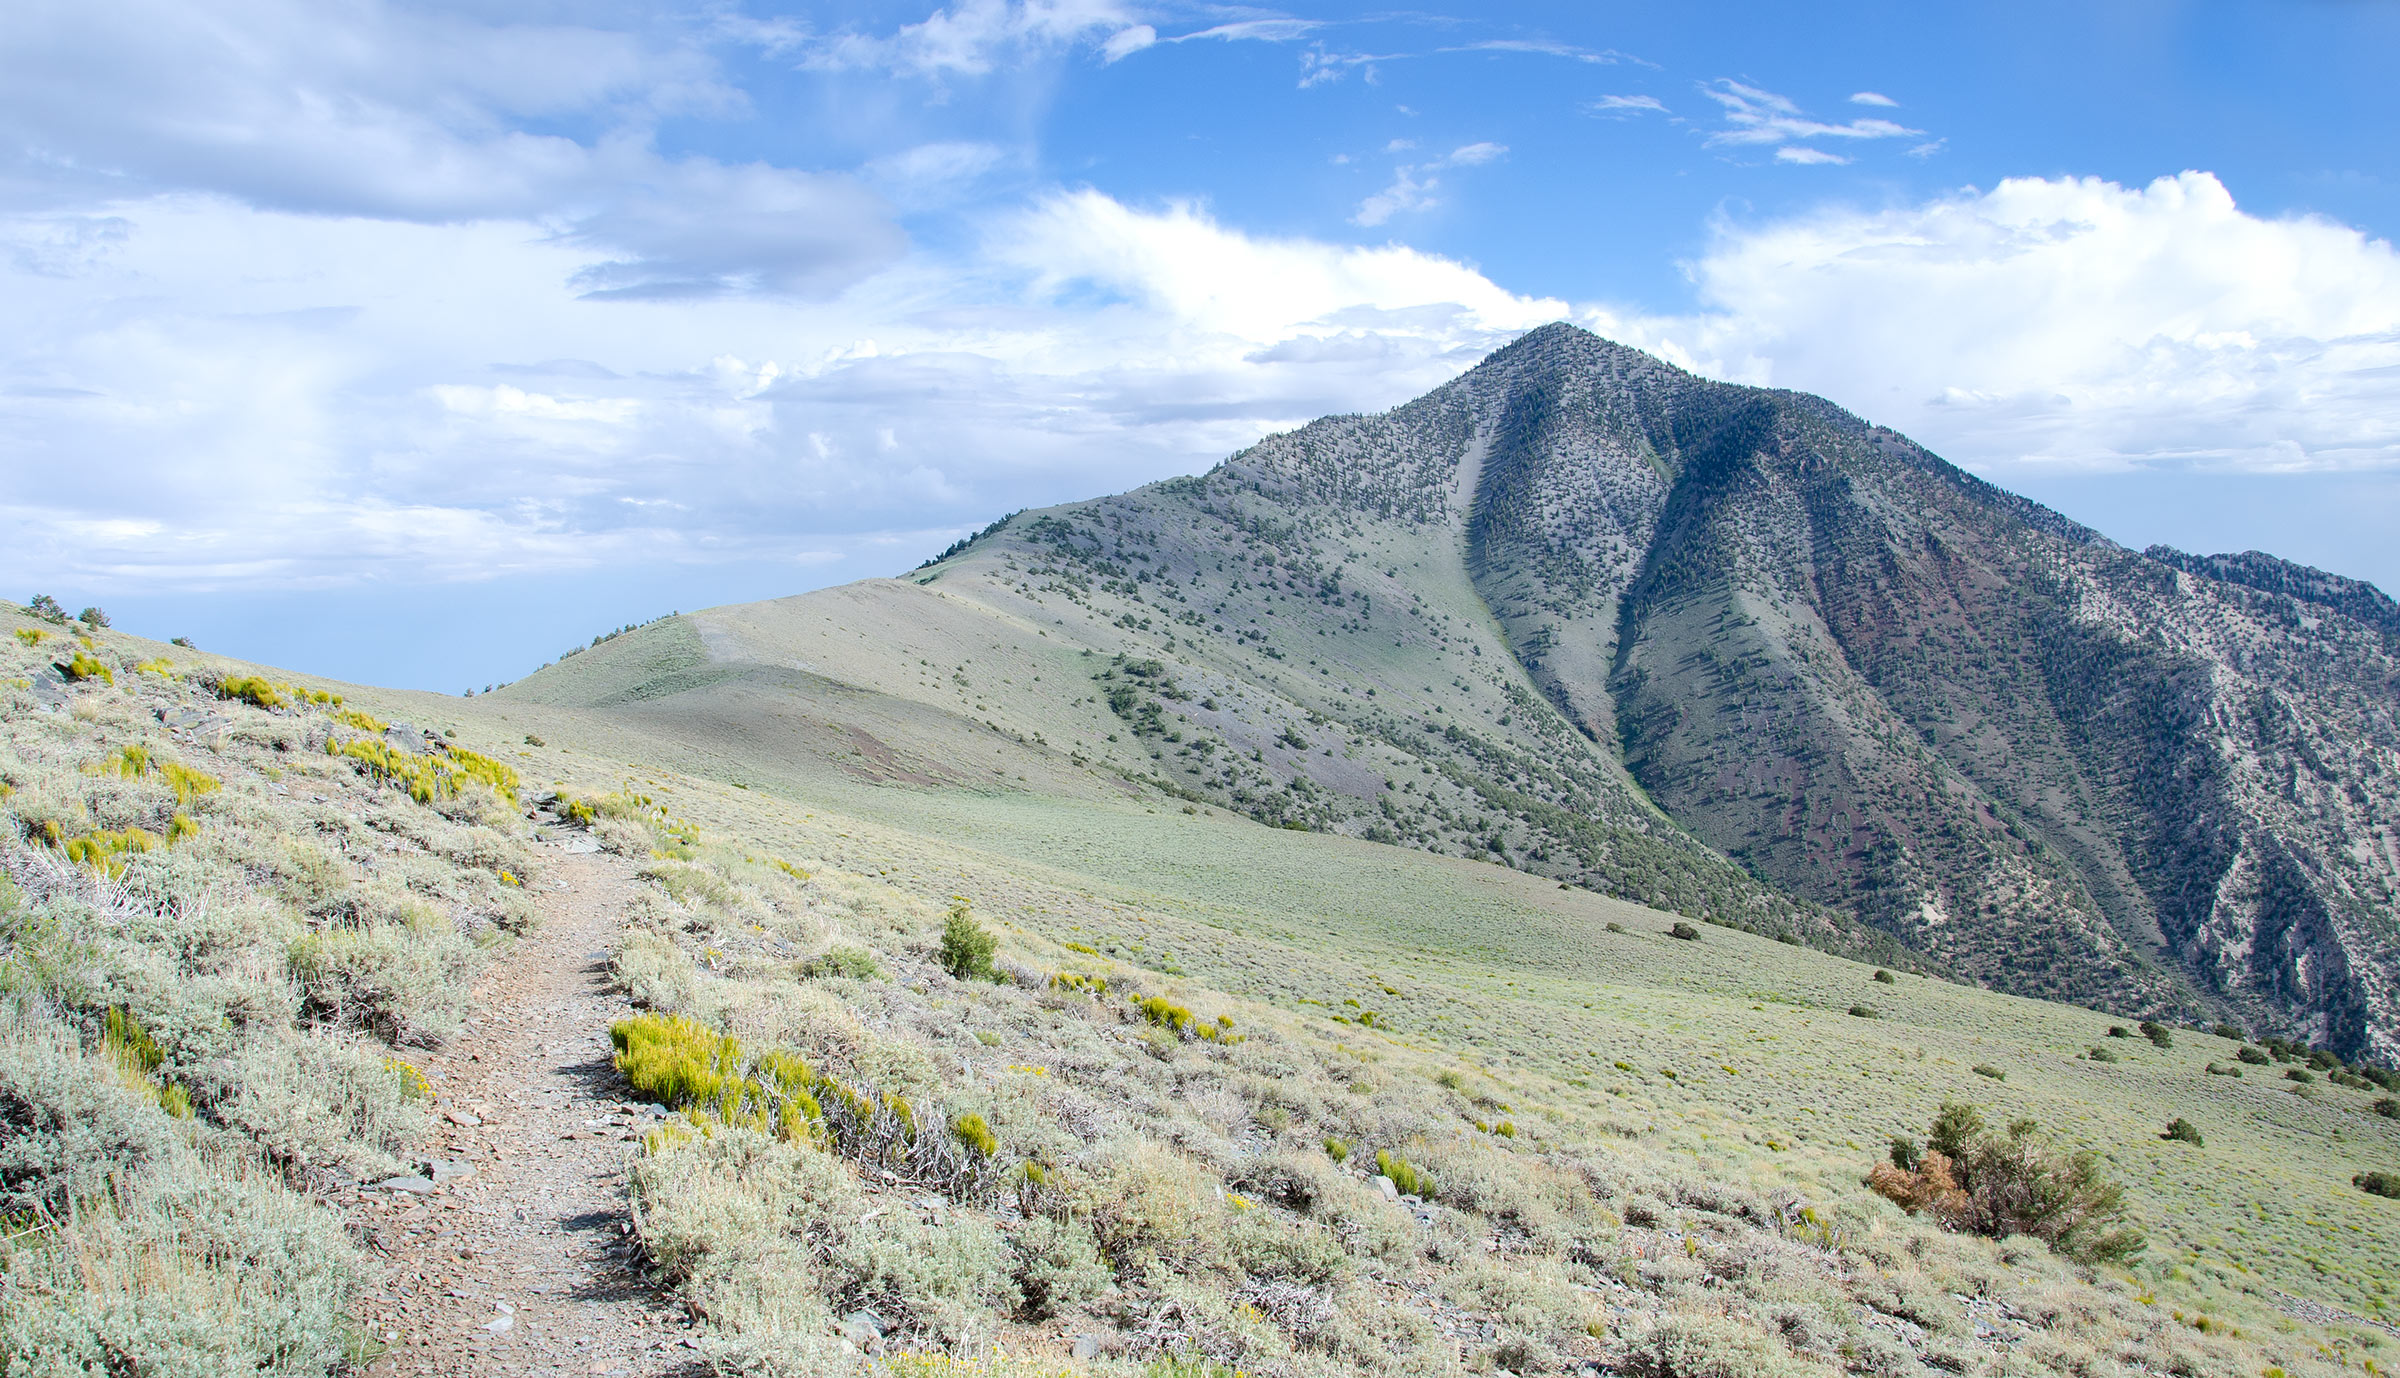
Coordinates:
(519, 1264)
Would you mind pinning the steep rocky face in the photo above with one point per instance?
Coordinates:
(1590, 614)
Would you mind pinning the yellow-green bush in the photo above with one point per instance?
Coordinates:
(1077, 982)
(137, 1057)
(85, 666)
(425, 778)
(106, 850)
(362, 721)
(31, 636)
(975, 1134)
(134, 761)
(1411, 1180)
(253, 690)
(484, 770)
(1165, 1013)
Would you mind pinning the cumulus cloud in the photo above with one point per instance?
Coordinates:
(2069, 322)
(289, 400)
(368, 109)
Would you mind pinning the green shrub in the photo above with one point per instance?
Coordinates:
(856, 963)
(2216, 1069)
(2378, 1184)
(252, 690)
(1864, 1012)
(44, 606)
(2299, 1074)
(2388, 1108)
(2158, 1034)
(105, 850)
(1883, 977)
(1337, 1150)
(2011, 1183)
(2182, 1131)
(967, 946)
(975, 1134)
(1702, 1345)
(1985, 1069)
(2256, 1057)
(2119, 1031)
(1164, 1013)
(2100, 1054)
(403, 983)
(197, 1266)
(73, 1124)
(1684, 931)
(84, 666)
(1057, 1267)
(1411, 1181)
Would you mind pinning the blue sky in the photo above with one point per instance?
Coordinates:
(415, 343)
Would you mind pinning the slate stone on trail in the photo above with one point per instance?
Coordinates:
(418, 1185)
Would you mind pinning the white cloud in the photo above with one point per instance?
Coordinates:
(1256, 31)
(1871, 98)
(2068, 322)
(1127, 41)
(289, 400)
(1414, 185)
(1806, 156)
(1541, 47)
(976, 37)
(369, 109)
(1633, 104)
(1756, 116)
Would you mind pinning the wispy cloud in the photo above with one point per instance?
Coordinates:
(1320, 65)
(1414, 185)
(1621, 107)
(1871, 98)
(1271, 30)
(1543, 47)
(976, 37)
(1757, 116)
(1806, 156)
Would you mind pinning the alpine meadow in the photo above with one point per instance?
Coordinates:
(1593, 870)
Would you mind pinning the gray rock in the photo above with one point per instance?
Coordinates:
(1389, 1188)
(1086, 1347)
(864, 1330)
(419, 1186)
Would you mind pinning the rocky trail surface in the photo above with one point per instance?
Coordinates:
(509, 1254)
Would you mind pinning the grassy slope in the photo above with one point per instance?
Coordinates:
(1503, 970)
(1503, 967)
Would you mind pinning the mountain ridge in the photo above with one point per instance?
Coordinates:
(1725, 650)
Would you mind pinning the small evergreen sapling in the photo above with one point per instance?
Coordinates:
(967, 946)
